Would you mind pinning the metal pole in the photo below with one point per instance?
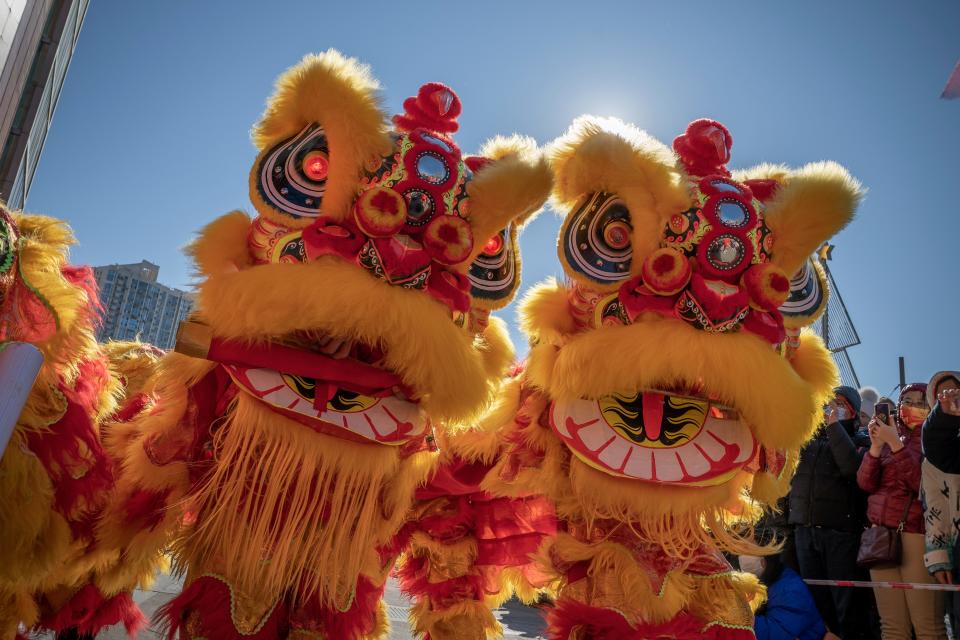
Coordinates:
(19, 365)
(903, 373)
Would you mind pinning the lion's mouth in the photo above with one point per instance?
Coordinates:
(352, 395)
(657, 436)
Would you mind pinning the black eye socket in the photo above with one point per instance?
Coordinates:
(419, 207)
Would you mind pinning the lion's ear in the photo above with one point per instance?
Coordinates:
(809, 206)
(321, 127)
(617, 187)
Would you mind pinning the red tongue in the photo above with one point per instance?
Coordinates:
(652, 415)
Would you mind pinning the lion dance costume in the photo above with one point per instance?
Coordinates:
(338, 334)
(56, 474)
(666, 395)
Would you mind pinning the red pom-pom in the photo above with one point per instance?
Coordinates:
(705, 147)
(666, 271)
(435, 108)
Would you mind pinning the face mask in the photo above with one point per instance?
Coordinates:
(913, 417)
(751, 564)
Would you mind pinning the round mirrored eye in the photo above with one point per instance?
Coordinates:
(419, 207)
(617, 234)
(732, 214)
(432, 168)
(720, 185)
(316, 166)
(443, 144)
(725, 252)
(493, 246)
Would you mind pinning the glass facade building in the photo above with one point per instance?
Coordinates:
(37, 40)
(137, 307)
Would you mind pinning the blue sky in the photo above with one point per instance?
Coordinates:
(150, 139)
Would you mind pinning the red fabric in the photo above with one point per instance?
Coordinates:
(892, 480)
(89, 612)
(210, 599)
(594, 623)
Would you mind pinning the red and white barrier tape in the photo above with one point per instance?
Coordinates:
(926, 586)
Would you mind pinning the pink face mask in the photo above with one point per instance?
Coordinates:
(913, 417)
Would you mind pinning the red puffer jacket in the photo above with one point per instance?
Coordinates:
(892, 480)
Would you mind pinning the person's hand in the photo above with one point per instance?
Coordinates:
(830, 414)
(887, 432)
(950, 401)
(334, 347)
(943, 577)
(831, 636)
(876, 444)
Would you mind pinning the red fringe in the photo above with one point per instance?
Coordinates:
(89, 611)
(594, 623)
(146, 508)
(74, 442)
(414, 580)
(210, 598)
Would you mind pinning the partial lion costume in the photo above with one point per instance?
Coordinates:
(56, 475)
(335, 333)
(668, 389)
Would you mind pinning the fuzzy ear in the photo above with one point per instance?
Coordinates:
(221, 247)
(510, 188)
(604, 167)
(810, 205)
(325, 111)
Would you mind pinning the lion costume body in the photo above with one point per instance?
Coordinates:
(56, 474)
(336, 333)
(665, 398)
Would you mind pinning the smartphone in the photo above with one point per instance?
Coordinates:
(883, 410)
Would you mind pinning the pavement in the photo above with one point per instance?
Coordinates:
(518, 621)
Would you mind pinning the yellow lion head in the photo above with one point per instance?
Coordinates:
(385, 238)
(674, 357)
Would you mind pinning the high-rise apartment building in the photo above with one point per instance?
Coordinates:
(136, 306)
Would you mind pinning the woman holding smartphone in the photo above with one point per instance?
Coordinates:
(890, 473)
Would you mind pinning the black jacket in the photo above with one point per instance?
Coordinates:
(824, 491)
(941, 444)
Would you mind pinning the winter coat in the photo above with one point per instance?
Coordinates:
(790, 611)
(824, 492)
(940, 494)
(941, 443)
(893, 480)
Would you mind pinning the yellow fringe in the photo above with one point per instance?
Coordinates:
(465, 620)
(328, 490)
(615, 580)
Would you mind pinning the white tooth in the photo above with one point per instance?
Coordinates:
(732, 432)
(710, 446)
(357, 422)
(693, 461)
(615, 453)
(404, 412)
(261, 379)
(282, 397)
(595, 435)
(639, 465)
(580, 411)
(668, 467)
